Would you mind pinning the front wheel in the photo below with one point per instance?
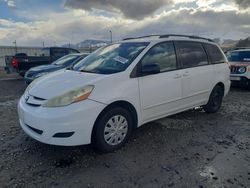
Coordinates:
(215, 100)
(112, 129)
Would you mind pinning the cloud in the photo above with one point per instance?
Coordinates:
(209, 19)
(10, 3)
(78, 25)
(133, 9)
(244, 4)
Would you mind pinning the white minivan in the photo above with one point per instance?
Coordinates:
(122, 86)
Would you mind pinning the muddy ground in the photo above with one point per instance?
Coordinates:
(191, 149)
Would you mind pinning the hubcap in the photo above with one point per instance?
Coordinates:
(115, 130)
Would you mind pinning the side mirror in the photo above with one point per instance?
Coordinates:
(150, 69)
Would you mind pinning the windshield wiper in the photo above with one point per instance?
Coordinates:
(87, 71)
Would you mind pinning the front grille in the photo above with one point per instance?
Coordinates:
(34, 101)
(30, 74)
(35, 130)
(63, 135)
(235, 70)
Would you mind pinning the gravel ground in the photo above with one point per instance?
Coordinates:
(190, 149)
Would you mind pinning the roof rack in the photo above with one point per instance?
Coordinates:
(142, 37)
(188, 36)
(171, 35)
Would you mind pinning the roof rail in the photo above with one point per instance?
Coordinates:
(142, 37)
(188, 36)
(171, 35)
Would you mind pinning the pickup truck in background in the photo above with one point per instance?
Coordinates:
(21, 62)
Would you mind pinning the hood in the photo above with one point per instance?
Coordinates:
(239, 64)
(60, 82)
(45, 68)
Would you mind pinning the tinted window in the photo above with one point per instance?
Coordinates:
(163, 55)
(72, 51)
(45, 52)
(241, 56)
(191, 54)
(214, 54)
(57, 52)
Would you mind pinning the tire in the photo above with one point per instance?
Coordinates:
(117, 134)
(215, 100)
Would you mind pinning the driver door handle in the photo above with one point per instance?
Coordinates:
(186, 74)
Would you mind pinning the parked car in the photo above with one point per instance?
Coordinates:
(62, 63)
(240, 67)
(21, 62)
(122, 86)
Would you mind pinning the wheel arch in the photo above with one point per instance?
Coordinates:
(121, 103)
(220, 84)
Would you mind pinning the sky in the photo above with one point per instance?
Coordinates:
(58, 22)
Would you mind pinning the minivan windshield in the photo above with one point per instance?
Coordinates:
(112, 58)
(239, 56)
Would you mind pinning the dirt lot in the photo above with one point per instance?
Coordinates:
(191, 149)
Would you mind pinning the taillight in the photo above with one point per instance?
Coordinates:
(15, 63)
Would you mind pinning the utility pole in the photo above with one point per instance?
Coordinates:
(43, 44)
(15, 46)
(111, 40)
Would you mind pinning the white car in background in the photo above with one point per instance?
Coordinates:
(123, 86)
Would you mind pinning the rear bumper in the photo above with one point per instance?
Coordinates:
(66, 126)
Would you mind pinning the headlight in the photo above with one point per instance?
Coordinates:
(242, 69)
(70, 97)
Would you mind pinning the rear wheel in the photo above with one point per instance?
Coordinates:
(215, 100)
(112, 129)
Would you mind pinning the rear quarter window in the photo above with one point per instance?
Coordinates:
(214, 53)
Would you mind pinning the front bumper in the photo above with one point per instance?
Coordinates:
(43, 124)
(240, 80)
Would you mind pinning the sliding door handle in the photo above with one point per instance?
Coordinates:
(177, 76)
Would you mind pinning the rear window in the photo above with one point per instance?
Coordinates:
(214, 53)
(240, 56)
(191, 54)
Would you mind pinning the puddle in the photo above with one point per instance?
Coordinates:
(208, 172)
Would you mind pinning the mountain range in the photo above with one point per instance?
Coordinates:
(88, 43)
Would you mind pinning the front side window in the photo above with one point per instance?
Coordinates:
(214, 53)
(191, 54)
(163, 55)
(112, 58)
(57, 52)
(45, 52)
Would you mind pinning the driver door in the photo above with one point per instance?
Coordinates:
(160, 93)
